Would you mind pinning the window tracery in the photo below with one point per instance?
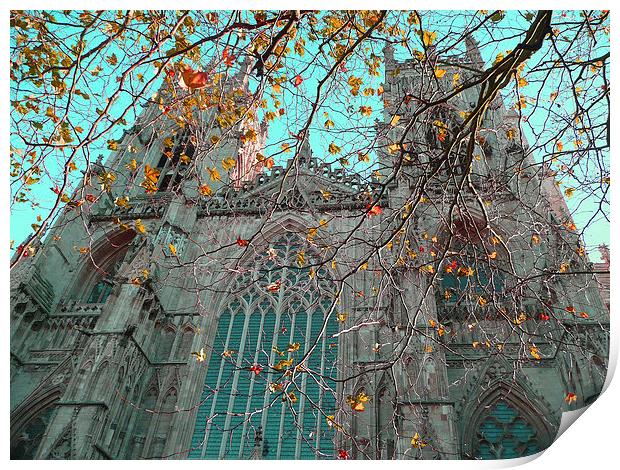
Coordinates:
(262, 328)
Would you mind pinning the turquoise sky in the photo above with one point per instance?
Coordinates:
(582, 205)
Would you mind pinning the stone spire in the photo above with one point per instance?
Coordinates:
(473, 51)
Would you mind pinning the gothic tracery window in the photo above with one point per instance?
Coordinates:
(503, 433)
(262, 328)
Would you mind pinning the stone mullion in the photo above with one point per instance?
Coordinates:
(251, 389)
(233, 390)
(219, 380)
(304, 382)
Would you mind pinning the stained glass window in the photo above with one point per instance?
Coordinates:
(236, 402)
(504, 434)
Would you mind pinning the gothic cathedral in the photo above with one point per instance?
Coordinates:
(240, 324)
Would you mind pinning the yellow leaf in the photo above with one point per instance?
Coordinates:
(139, 226)
(228, 163)
(333, 149)
(569, 192)
(366, 110)
(214, 174)
(416, 441)
(428, 38)
(205, 190)
(439, 73)
(173, 249)
(394, 120)
(122, 201)
(132, 165)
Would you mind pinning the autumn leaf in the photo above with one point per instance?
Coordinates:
(373, 210)
(535, 239)
(570, 398)
(200, 355)
(356, 402)
(274, 286)
(214, 174)
(326, 194)
(228, 163)
(139, 226)
(341, 317)
(151, 175)
(190, 79)
(394, 120)
(298, 81)
(301, 259)
(535, 352)
(132, 165)
(256, 368)
(275, 387)
(333, 149)
(366, 111)
(283, 364)
(292, 347)
(439, 73)
(569, 192)
(417, 442)
(106, 179)
(173, 249)
(482, 301)
(205, 190)
(329, 124)
(428, 38)
(122, 201)
(242, 242)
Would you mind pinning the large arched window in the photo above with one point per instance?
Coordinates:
(503, 433)
(95, 280)
(472, 275)
(260, 328)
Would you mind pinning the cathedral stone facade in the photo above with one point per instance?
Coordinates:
(108, 323)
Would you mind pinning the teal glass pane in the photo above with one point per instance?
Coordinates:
(290, 429)
(207, 397)
(503, 434)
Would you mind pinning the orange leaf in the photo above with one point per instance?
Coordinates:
(192, 79)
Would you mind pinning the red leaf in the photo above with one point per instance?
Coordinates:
(298, 80)
(343, 454)
(193, 79)
(373, 210)
(242, 242)
(256, 368)
(227, 57)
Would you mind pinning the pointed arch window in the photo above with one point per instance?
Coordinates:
(472, 270)
(95, 280)
(503, 433)
(174, 162)
(259, 327)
